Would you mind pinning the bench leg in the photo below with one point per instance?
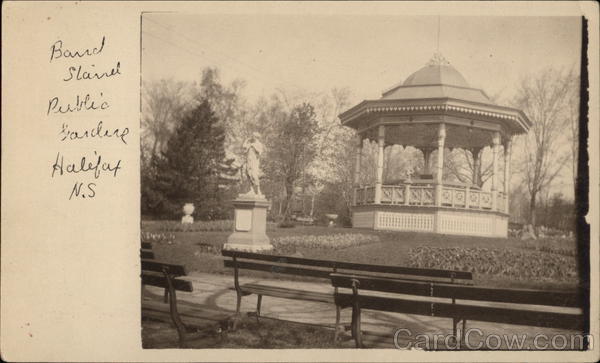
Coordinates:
(463, 332)
(238, 315)
(356, 327)
(337, 323)
(352, 324)
(258, 302)
(239, 303)
(455, 322)
(181, 329)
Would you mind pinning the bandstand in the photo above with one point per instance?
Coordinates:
(435, 109)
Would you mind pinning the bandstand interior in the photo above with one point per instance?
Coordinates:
(435, 110)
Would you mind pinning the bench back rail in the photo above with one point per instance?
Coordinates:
(541, 317)
(322, 268)
(147, 254)
(441, 290)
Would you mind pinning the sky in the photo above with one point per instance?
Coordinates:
(369, 53)
(366, 53)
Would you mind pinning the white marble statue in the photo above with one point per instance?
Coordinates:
(253, 148)
(409, 173)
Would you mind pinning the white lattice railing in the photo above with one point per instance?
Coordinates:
(393, 194)
(407, 195)
(422, 195)
(425, 195)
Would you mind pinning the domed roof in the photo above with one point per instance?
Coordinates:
(438, 79)
(433, 94)
(437, 71)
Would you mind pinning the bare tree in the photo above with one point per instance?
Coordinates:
(459, 163)
(544, 98)
(290, 149)
(164, 103)
(328, 137)
(573, 120)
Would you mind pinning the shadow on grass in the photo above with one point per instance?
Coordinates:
(250, 334)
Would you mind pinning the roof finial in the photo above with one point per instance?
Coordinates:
(438, 36)
(438, 59)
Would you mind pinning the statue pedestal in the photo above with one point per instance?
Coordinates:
(250, 225)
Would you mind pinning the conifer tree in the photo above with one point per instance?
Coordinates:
(192, 166)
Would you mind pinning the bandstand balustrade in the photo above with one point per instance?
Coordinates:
(408, 194)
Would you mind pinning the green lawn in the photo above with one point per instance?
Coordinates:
(198, 251)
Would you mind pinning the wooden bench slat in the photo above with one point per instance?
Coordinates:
(350, 265)
(414, 278)
(461, 275)
(146, 254)
(158, 266)
(283, 292)
(471, 312)
(517, 296)
(280, 259)
(382, 284)
(160, 281)
(279, 269)
(147, 245)
(546, 319)
(389, 304)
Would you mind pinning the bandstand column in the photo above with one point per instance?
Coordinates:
(357, 167)
(476, 153)
(507, 175)
(495, 148)
(440, 164)
(380, 152)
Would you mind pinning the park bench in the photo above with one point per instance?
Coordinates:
(476, 307)
(146, 251)
(319, 269)
(165, 275)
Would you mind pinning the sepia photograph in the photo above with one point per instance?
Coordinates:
(406, 182)
(300, 181)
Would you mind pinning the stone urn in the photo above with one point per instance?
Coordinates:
(332, 217)
(188, 209)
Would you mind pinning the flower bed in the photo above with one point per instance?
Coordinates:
(520, 265)
(225, 225)
(289, 244)
(557, 245)
(158, 237)
(197, 226)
